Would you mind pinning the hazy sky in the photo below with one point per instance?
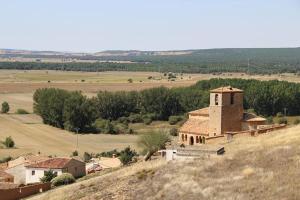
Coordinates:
(95, 25)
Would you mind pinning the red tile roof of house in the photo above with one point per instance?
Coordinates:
(201, 112)
(225, 89)
(52, 163)
(3, 174)
(195, 126)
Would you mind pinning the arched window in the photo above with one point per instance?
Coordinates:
(216, 99)
(185, 138)
(182, 137)
(197, 139)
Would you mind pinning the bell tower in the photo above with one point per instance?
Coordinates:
(225, 110)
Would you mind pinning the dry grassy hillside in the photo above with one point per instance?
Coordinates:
(263, 167)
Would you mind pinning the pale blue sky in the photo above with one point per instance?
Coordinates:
(95, 25)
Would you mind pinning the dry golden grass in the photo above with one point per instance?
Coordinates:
(31, 136)
(264, 167)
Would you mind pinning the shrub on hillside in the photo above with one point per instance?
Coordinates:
(87, 157)
(63, 179)
(126, 155)
(9, 142)
(109, 153)
(5, 107)
(282, 120)
(296, 121)
(173, 132)
(147, 120)
(174, 119)
(75, 153)
(22, 111)
(5, 159)
(279, 114)
(270, 120)
(48, 176)
(135, 118)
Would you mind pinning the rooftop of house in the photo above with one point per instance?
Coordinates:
(200, 112)
(250, 117)
(225, 89)
(51, 163)
(26, 160)
(195, 126)
(3, 174)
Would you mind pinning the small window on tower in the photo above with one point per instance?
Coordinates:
(232, 98)
(216, 99)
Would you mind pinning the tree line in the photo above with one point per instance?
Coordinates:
(74, 111)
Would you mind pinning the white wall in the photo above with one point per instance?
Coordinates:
(19, 173)
(39, 173)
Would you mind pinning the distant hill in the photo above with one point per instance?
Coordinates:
(250, 60)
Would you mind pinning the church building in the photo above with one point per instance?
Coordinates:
(224, 114)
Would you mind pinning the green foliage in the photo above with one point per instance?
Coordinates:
(22, 111)
(173, 132)
(109, 154)
(48, 176)
(279, 114)
(5, 159)
(130, 80)
(75, 153)
(296, 121)
(135, 118)
(87, 157)
(63, 179)
(152, 142)
(174, 119)
(147, 120)
(9, 142)
(127, 155)
(270, 120)
(5, 107)
(282, 120)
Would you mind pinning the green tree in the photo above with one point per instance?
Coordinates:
(79, 112)
(9, 142)
(5, 107)
(48, 176)
(152, 142)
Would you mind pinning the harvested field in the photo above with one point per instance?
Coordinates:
(31, 136)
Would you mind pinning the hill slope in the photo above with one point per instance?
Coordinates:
(264, 167)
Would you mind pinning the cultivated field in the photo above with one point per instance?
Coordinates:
(32, 136)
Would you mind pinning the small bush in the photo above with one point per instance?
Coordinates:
(63, 179)
(22, 111)
(87, 157)
(174, 119)
(48, 176)
(5, 159)
(130, 80)
(75, 153)
(9, 142)
(123, 120)
(109, 154)
(296, 121)
(282, 120)
(126, 156)
(270, 120)
(135, 118)
(147, 120)
(279, 114)
(5, 107)
(174, 132)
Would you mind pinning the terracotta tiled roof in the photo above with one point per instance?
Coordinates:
(27, 159)
(202, 111)
(3, 166)
(225, 89)
(52, 163)
(5, 175)
(195, 126)
(250, 117)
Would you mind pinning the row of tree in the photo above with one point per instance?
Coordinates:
(74, 111)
